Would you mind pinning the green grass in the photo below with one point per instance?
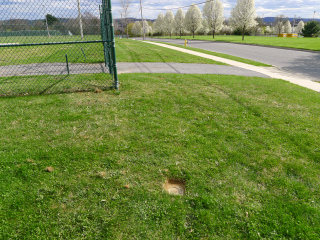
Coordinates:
(137, 51)
(298, 43)
(47, 84)
(248, 149)
(127, 51)
(238, 59)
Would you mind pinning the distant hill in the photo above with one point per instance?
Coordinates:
(271, 19)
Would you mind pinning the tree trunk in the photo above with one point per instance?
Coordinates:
(127, 29)
(193, 34)
(180, 33)
(213, 32)
(243, 32)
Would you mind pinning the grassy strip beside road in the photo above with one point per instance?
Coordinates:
(226, 56)
(298, 43)
(138, 51)
(127, 51)
(248, 149)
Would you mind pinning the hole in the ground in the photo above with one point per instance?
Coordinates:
(175, 186)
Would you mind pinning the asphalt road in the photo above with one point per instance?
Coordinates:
(294, 61)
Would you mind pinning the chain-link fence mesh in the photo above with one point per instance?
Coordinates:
(51, 46)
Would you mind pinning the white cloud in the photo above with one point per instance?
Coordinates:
(32, 9)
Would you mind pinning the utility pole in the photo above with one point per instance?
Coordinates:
(144, 35)
(121, 25)
(80, 21)
(314, 13)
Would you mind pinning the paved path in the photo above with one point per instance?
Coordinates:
(292, 61)
(123, 67)
(295, 78)
(185, 68)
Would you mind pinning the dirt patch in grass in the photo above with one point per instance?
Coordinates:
(175, 187)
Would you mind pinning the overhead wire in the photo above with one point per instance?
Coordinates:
(161, 9)
(136, 13)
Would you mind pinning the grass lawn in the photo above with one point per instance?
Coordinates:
(247, 148)
(299, 43)
(238, 59)
(47, 84)
(137, 51)
(127, 51)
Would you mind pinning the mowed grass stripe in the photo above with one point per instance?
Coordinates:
(127, 51)
(247, 148)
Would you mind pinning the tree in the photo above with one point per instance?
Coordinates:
(150, 30)
(287, 27)
(179, 21)
(279, 23)
(267, 30)
(311, 29)
(168, 22)
(136, 28)
(213, 13)
(125, 4)
(299, 27)
(243, 16)
(146, 27)
(91, 24)
(193, 19)
(227, 30)
(128, 29)
(51, 19)
(158, 25)
(203, 29)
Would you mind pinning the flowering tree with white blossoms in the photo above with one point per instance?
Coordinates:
(279, 24)
(299, 27)
(158, 25)
(179, 21)
(193, 19)
(243, 16)
(168, 22)
(136, 28)
(146, 26)
(267, 29)
(213, 13)
(287, 27)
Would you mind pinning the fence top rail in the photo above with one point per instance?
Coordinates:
(49, 43)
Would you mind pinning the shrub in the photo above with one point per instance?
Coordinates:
(311, 29)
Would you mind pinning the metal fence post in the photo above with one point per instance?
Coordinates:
(113, 47)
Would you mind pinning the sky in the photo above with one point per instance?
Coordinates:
(264, 8)
(35, 9)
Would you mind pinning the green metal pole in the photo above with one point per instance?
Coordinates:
(67, 64)
(113, 47)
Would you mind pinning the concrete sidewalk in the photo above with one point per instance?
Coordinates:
(268, 71)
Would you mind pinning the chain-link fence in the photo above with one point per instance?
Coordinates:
(51, 46)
